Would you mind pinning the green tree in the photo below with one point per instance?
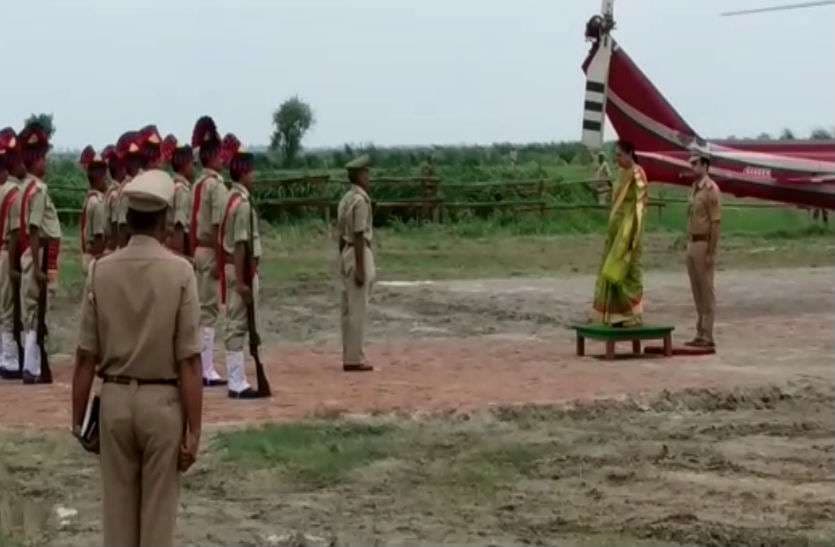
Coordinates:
(787, 135)
(45, 121)
(292, 120)
(763, 137)
(820, 134)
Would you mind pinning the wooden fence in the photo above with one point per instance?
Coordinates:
(425, 197)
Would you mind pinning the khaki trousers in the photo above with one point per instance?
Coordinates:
(701, 283)
(354, 310)
(6, 294)
(29, 292)
(237, 327)
(208, 286)
(86, 260)
(141, 432)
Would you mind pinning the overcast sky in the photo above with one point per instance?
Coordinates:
(400, 71)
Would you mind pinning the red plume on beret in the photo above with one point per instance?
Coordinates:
(169, 145)
(128, 143)
(149, 135)
(229, 148)
(87, 156)
(205, 132)
(109, 153)
(34, 138)
(8, 140)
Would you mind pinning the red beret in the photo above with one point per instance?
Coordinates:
(34, 138)
(128, 144)
(205, 132)
(229, 147)
(169, 144)
(8, 140)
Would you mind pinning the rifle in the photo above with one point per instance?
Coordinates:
(46, 372)
(254, 339)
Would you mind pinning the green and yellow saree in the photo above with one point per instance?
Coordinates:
(619, 291)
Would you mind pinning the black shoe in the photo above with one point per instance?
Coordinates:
(214, 383)
(248, 393)
(10, 374)
(357, 368)
(29, 379)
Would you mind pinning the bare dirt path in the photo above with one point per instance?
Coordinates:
(461, 345)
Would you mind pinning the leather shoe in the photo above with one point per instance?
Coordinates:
(694, 343)
(248, 393)
(10, 374)
(214, 383)
(357, 368)
(29, 379)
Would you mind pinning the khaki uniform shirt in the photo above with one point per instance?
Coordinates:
(354, 215)
(110, 199)
(141, 330)
(213, 198)
(10, 184)
(14, 213)
(236, 224)
(120, 212)
(180, 212)
(705, 207)
(96, 217)
(42, 212)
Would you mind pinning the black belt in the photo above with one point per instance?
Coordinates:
(700, 237)
(127, 380)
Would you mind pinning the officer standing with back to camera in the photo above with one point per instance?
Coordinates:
(144, 340)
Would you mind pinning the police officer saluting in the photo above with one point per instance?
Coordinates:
(354, 227)
(144, 338)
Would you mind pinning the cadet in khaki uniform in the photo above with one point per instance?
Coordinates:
(11, 167)
(182, 162)
(144, 339)
(116, 170)
(703, 235)
(354, 227)
(39, 216)
(129, 151)
(93, 215)
(238, 231)
(209, 196)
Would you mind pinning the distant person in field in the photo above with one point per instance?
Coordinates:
(355, 229)
(93, 216)
(603, 184)
(619, 292)
(704, 215)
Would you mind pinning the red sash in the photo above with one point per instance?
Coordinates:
(84, 222)
(24, 216)
(231, 205)
(4, 213)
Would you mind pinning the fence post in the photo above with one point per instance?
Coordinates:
(542, 198)
(436, 205)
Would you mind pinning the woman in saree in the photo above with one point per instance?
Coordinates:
(619, 291)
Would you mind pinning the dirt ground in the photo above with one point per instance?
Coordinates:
(730, 449)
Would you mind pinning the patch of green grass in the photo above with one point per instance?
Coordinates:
(6, 541)
(318, 454)
(486, 466)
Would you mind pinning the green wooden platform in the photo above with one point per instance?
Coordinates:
(611, 335)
